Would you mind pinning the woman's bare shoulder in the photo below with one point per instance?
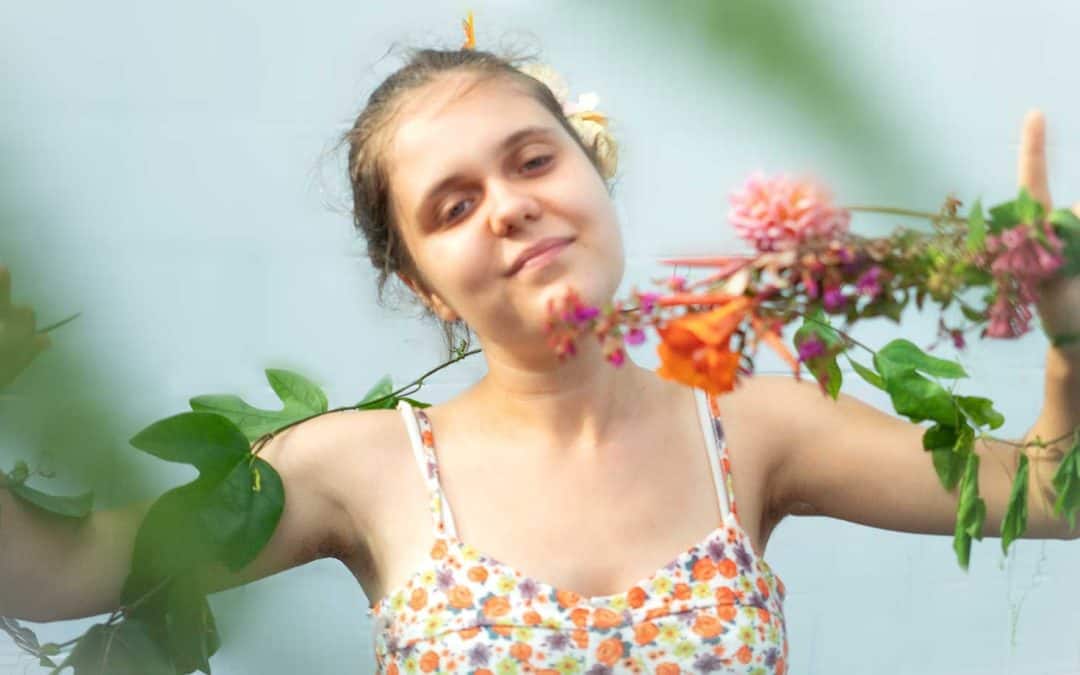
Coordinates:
(342, 459)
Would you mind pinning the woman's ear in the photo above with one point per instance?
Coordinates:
(433, 301)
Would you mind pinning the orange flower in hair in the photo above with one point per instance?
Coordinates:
(470, 32)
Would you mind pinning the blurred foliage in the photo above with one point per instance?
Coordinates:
(780, 47)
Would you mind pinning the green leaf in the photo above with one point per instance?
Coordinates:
(170, 540)
(949, 445)
(980, 411)
(300, 399)
(239, 519)
(296, 391)
(210, 442)
(192, 633)
(916, 397)
(122, 649)
(824, 368)
(905, 354)
(1016, 513)
(78, 506)
(976, 236)
(253, 422)
(415, 403)
(1028, 209)
(972, 314)
(869, 375)
(1067, 226)
(376, 397)
(23, 637)
(1066, 482)
(948, 465)
(1003, 216)
(971, 512)
(940, 437)
(20, 473)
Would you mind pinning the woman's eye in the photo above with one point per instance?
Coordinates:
(537, 162)
(454, 211)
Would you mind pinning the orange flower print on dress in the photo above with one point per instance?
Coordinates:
(763, 588)
(704, 569)
(521, 651)
(644, 633)
(531, 618)
(418, 599)
(567, 599)
(580, 638)
(727, 568)
(682, 592)
(469, 632)
(478, 574)
(744, 654)
(695, 349)
(438, 551)
(429, 662)
(580, 617)
(496, 606)
(605, 618)
(636, 597)
(461, 597)
(668, 669)
(609, 651)
(707, 625)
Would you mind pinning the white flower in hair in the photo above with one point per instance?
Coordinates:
(550, 77)
(585, 103)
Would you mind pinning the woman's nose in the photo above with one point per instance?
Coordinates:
(513, 209)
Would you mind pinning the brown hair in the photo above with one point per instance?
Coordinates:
(370, 135)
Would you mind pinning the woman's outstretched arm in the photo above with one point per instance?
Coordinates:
(848, 460)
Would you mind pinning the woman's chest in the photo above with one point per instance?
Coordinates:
(592, 527)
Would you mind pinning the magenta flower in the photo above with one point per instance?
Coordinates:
(635, 337)
(834, 299)
(1008, 319)
(811, 348)
(585, 313)
(1017, 252)
(869, 282)
(779, 213)
(1019, 263)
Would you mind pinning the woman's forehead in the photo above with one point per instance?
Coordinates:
(450, 123)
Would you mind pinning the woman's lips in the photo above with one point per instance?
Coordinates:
(539, 254)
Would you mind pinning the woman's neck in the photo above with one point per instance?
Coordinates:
(577, 403)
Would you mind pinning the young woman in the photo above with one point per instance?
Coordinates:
(564, 515)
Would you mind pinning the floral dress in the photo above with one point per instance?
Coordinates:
(716, 608)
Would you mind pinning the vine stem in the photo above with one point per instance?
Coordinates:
(59, 323)
(409, 388)
(926, 215)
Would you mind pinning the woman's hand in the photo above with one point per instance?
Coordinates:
(19, 341)
(1059, 297)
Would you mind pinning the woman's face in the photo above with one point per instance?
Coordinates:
(477, 178)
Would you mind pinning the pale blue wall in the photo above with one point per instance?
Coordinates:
(167, 173)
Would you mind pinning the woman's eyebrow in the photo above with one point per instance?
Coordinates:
(506, 143)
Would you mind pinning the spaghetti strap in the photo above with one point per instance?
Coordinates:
(423, 446)
(717, 450)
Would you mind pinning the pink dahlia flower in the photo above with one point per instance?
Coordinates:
(779, 213)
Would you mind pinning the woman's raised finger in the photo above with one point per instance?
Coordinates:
(1031, 169)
